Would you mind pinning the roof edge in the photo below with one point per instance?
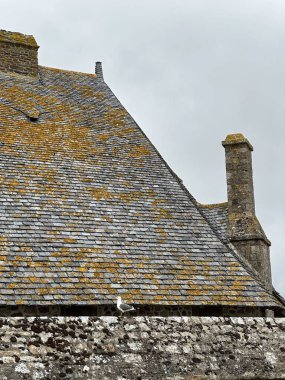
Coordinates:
(68, 71)
(213, 205)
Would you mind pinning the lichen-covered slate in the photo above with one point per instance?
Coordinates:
(88, 208)
(217, 216)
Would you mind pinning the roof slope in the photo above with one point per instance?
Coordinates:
(217, 216)
(89, 209)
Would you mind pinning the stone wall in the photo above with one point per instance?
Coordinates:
(142, 348)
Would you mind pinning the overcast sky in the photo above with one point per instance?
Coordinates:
(190, 72)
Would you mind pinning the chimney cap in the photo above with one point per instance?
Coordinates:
(18, 38)
(237, 138)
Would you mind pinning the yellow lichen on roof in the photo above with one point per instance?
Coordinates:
(100, 193)
(161, 231)
(114, 117)
(139, 151)
(43, 142)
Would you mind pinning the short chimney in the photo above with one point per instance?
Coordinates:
(244, 229)
(99, 70)
(18, 53)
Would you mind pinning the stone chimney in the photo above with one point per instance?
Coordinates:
(244, 230)
(18, 53)
(99, 70)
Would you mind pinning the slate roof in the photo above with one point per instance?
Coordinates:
(89, 209)
(217, 215)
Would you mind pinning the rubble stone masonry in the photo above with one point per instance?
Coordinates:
(142, 348)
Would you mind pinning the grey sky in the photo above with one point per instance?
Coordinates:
(189, 72)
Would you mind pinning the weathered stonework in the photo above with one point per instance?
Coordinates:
(257, 253)
(244, 229)
(18, 53)
(144, 348)
(99, 71)
(140, 310)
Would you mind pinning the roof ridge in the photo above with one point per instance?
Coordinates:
(68, 71)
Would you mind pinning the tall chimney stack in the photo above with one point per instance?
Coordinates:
(18, 53)
(244, 229)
